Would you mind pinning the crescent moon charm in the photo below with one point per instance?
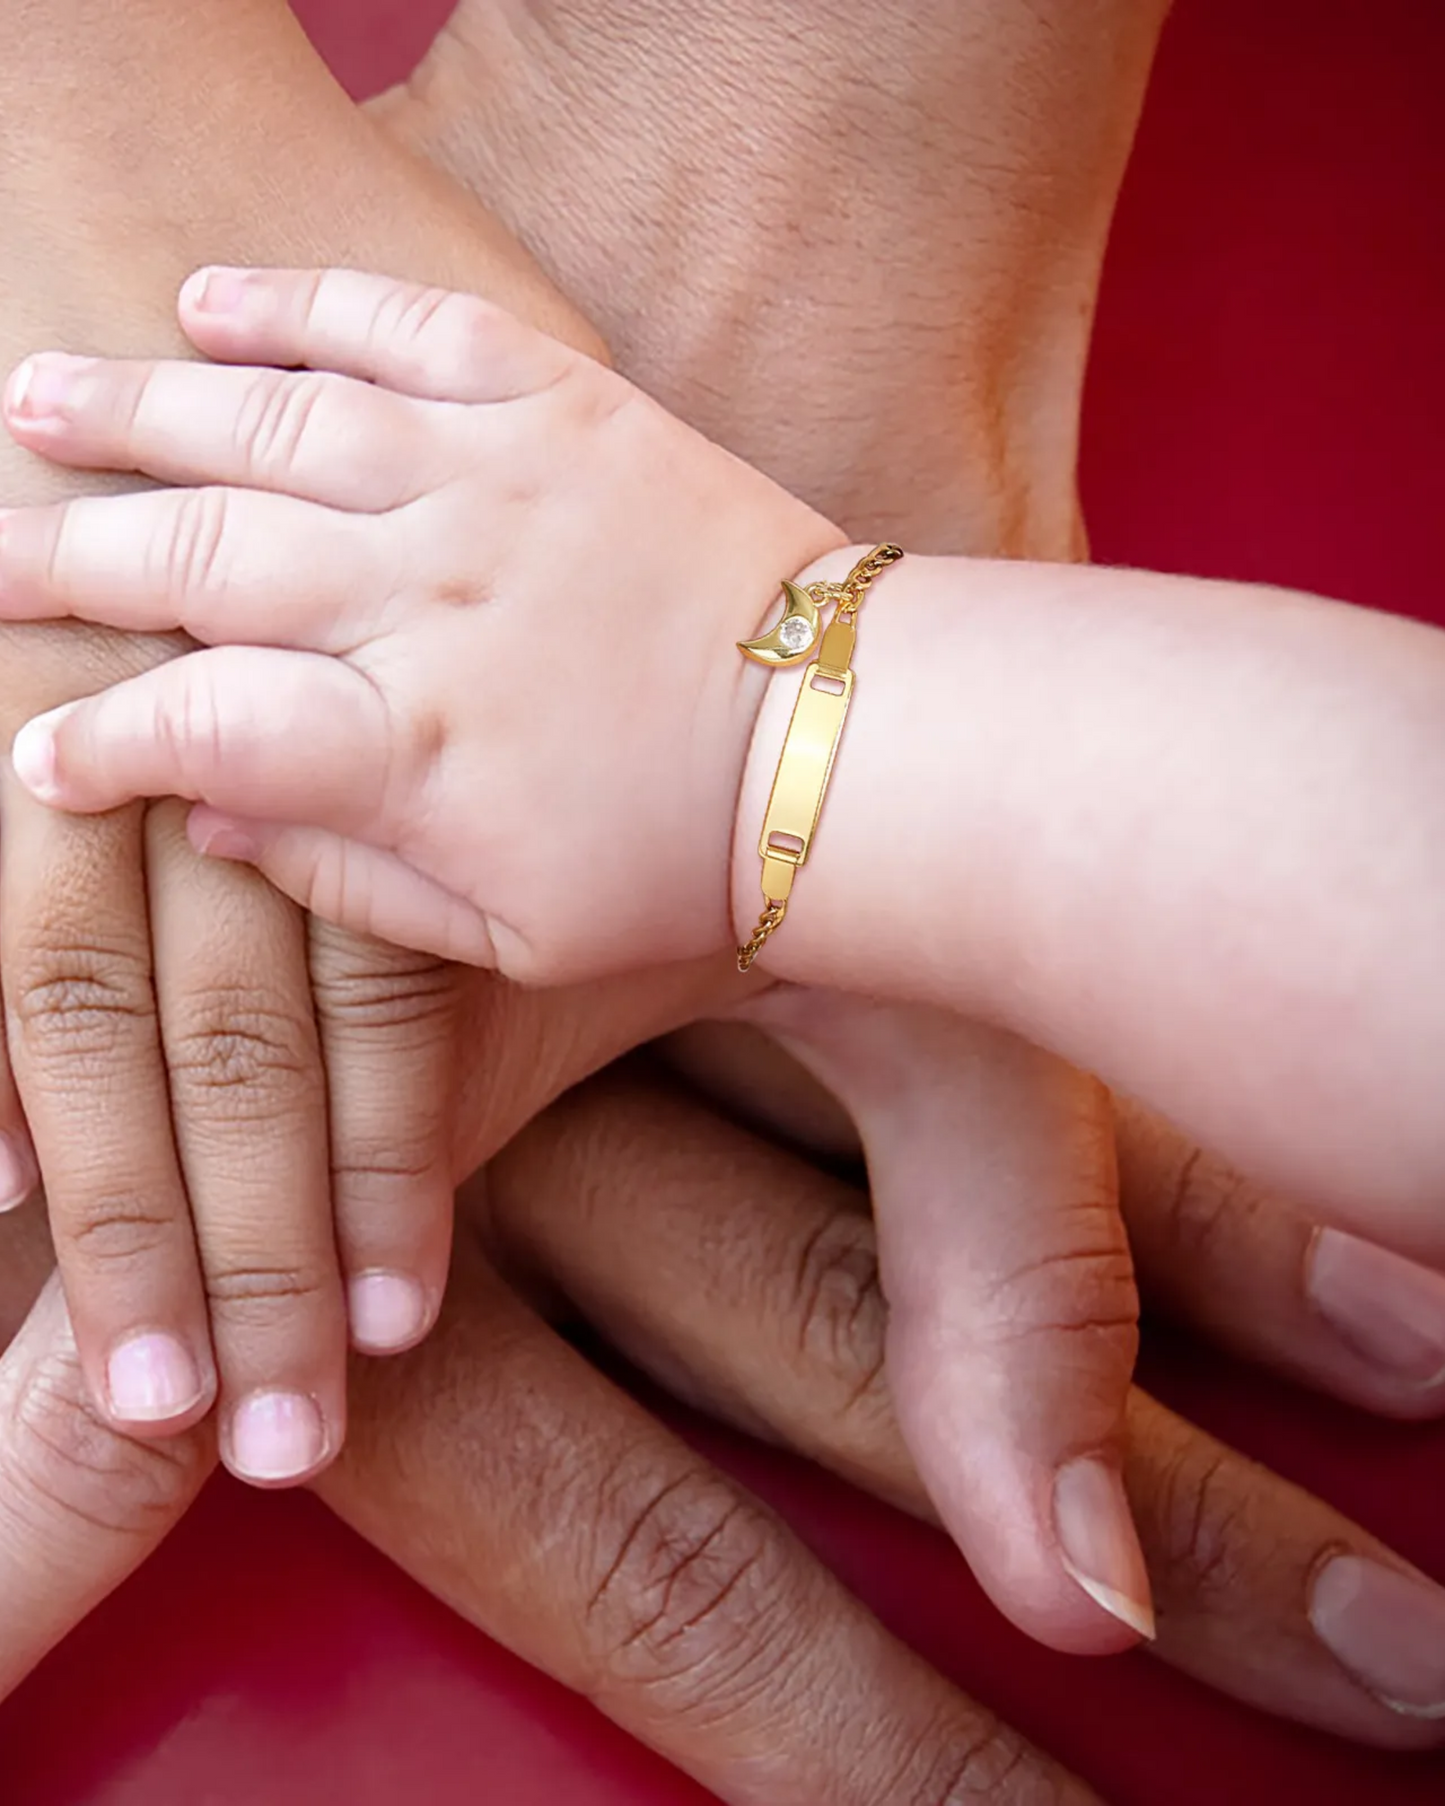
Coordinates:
(794, 637)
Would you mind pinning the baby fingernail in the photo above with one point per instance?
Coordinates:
(19, 1174)
(1099, 1543)
(1387, 1629)
(277, 1436)
(388, 1312)
(152, 1378)
(226, 841)
(43, 385)
(217, 291)
(33, 756)
(1389, 1310)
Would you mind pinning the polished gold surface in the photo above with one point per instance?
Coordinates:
(806, 766)
(811, 745)
(794, 637)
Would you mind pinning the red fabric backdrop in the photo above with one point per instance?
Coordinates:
(1267, 400)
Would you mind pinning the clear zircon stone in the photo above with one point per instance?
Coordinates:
(795, 634)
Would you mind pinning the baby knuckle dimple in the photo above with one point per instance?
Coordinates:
(186, 720)
(694, 1596)
(187, 556)
(62, 1456)
(276, 420)
(73, 999)
(423, 323)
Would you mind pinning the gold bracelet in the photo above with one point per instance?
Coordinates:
(806, 762)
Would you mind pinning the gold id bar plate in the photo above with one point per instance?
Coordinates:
(806, 764)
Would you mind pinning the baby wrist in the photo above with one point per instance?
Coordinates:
(797, 735)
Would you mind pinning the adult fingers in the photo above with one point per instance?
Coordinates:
(421, 341)
(1211, 1250)
(27, 1260)
(505, 1474)
(212, 423)
(248, 1101)
(286, 736)
(389, 1025)
(81, 1506)
(19, 1169)
(1013, 1323)
(1258, 1277)
(223, 564)
(84, 1036)
(361, 888)
(746, 1281)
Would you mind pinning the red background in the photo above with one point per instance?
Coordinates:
(1267, 400)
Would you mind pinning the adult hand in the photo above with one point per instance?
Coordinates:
(502, 1471)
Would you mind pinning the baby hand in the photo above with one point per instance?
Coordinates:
(470, 601)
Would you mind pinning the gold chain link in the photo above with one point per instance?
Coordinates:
(769, 922)
(849, 596)
(850, 593)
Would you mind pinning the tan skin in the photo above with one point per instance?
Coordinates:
(799, 1361)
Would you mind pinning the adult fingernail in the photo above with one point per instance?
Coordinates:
(19, 1174)
(33, 756)
(217, 291)
(388, 1312)
(42, 386)
(277, 1436)
(152, 1378)
(1389, 1310)
(1387, 1629)
(1099, 1543)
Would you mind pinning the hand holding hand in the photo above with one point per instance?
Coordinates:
(457, 717)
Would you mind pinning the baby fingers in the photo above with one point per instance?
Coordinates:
(288, 736)
(226, 565)
(420, 341)
(320, 437)
(355, 886)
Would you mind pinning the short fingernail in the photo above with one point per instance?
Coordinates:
(1389, 1310)
(1387, 1629)
(19, 1174)
(33, 756)
(388, 1312)
(152, 1378)
(1099, 1543)
(224, 840)
(277, 1436)
(44, 386)
(217, 291)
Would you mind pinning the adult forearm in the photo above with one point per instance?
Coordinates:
(861, 250)
(138, 140)
(1189, 835)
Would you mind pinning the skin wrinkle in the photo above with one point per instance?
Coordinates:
(886, 231)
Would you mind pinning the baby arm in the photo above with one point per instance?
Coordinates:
(1189, 835)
